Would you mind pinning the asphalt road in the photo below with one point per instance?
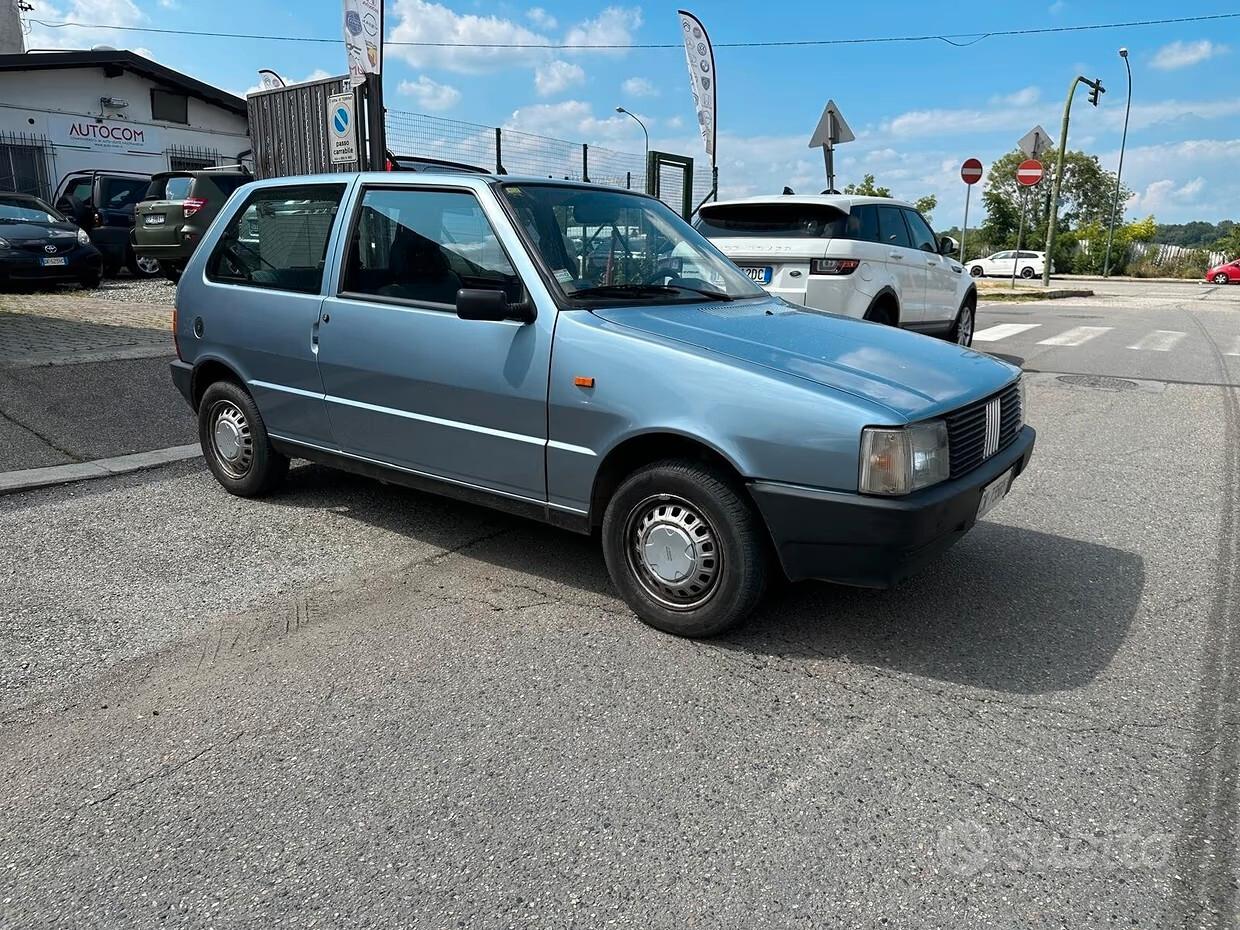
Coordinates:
(352, 705)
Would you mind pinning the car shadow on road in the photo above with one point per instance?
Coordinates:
(1008, 608)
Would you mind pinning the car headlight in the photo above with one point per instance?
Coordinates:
(82, 238)
(899, 460)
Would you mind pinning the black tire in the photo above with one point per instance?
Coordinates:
(703, 509)
(961, 332)
(256, 468)
(91, 282)
(171, 272)
(1027, 272)
(142, 268)
(976, 271)
(882, 312)
(111, 271)
(1221, 279)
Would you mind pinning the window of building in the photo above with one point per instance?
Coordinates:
(424, 246)
(278, 239)
(169, 106)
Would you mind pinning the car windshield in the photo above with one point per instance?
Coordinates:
(20, 210)
(773, 221)
(603, 245)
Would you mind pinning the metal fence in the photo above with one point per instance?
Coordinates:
(288, 129)
(26, 164)
(191, 158)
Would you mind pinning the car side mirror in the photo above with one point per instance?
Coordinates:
(475, 303)
(948, 245)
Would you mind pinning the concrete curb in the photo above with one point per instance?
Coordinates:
(1054, 293)
(30, 478)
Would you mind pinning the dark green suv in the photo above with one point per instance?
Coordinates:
(177, 209)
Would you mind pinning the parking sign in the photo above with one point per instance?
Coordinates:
(341, 129)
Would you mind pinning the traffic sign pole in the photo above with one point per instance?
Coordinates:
(964, 232)
(1020, 236)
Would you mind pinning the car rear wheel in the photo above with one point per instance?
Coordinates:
(1027, 272)
(961, 332)
(976, 271)
(685, 548)
(143, 267)
(172, 272)
(235, 443)
(1221, 278)
(91, 281)
(883, 312)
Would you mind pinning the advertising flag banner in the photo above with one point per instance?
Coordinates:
(701, 59)
(363, 38)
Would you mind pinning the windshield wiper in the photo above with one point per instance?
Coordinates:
(640, 290)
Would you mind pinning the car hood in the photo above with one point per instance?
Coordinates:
(911, 375)
(16, 232)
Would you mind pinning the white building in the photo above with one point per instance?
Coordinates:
(109, 110)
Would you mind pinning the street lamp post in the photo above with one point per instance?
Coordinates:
(639, 123)
(1106, 267)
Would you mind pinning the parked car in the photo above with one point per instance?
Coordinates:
(439, 331)
(102, 203)
(435, 165)
(1226, 273)
(867, 257)
(37, 243)
(1024, 263)
(177, 209)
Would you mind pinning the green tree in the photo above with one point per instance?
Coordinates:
(869, 188)
(1229, 245)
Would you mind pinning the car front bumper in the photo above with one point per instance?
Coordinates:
(875, 542)
(19, 265)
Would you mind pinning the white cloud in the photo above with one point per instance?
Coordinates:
(556, 76)
(1160, 195)
(674, 122)
(169, 4)
(420, 21)
(1026, 96)
(430, 95)
(639, 87)
(1185, 54)
(541, 18)
(113, 12)
(574, 120)
(612, 27)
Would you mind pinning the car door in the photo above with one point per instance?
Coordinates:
(408, 382)
(74, 201)
(264, 284)
(906, 264)
(942, 282)
(1001, 264)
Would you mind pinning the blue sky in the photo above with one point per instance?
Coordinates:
(918, 109)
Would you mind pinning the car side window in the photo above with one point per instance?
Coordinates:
(278, 239)
(78, 191)
(923, 235)
(1000, 256)
(866, 216)
(892, 228)
(423, 246)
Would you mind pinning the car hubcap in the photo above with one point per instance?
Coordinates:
(673, 552)
(148, 265)
(231, 442)
(965, 336)
(1220, 279)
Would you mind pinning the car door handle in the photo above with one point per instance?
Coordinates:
(897, 256)
(931, 262)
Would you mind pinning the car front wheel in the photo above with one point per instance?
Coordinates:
(235, 443)
(1027, 273)
(685, 548)
(962, 330)
(1221, 278)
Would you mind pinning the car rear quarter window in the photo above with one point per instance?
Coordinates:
(278, 239)
(773, 221)
(892, 228)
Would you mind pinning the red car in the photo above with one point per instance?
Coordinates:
(1227, 273)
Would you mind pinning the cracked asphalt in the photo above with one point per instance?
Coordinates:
(353, 705)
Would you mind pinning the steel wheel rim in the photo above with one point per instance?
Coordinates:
(1026, 272)
(673, 551)
(965, 334)
(231, 440)
(148, 265)
(975, 272)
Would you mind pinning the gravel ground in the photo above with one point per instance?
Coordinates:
(124, 289)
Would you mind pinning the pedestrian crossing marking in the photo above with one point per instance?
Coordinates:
(1160, 340)
(1076, 336)
(1002, 331)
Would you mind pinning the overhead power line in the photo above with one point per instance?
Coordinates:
(959, 40)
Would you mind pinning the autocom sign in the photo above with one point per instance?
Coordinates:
(104, 134)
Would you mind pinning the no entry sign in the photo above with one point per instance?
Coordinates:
(1029, 173)
(971, 171)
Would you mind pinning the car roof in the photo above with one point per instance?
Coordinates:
(428, 178)
(843, 202)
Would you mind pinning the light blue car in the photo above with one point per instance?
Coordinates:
(579, 355)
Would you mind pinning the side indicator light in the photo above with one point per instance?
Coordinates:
(584, 382)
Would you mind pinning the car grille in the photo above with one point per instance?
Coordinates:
(969, 437)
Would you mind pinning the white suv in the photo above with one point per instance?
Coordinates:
(868, 257)
(1026, 264)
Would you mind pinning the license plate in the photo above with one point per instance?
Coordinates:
(759, 273)
(153, 219)
(993, 493)
(49, 262)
